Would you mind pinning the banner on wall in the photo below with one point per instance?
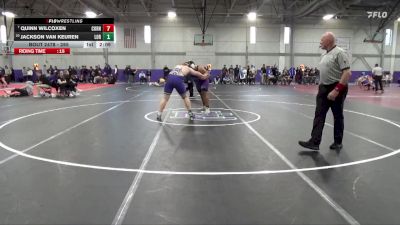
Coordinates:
(129, 38)
(344, 43)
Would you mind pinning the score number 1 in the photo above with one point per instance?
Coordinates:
(108, 32)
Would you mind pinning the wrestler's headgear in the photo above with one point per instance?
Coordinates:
(191, 64)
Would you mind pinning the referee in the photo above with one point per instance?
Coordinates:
(334, 74)
(377, 73)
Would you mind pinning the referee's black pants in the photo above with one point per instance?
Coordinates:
(323, 105)
(378, 80)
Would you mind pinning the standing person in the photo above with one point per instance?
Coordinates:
(263, 74)
(115, 73)
(128, 74)
(7, 72)
(231, 73)
(236, 74)
(148, 76)
(334, 74)
(50, 70)
(13, 78)
(29, 74)
(249, 74)
(224, 73)
(377, 73)
(292, 73)
(243, 75)
(44, 71)
(134, 71)
(254, 74)
(176, 81)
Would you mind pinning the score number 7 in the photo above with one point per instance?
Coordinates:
(108, 27)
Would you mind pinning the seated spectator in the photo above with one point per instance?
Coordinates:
(386, 79)
(97, 76)
(252, 75)
(61, 84)
(271, 79)
(70, 84)
(112, 80)
(284, 77)
(105, 77)
(142, 77)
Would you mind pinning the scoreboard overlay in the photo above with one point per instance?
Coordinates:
(58, 35)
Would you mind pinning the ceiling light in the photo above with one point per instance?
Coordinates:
(328, 17)
(171, 14)
(3, 34)
(90, 14)
(252, 16)
(8, 14)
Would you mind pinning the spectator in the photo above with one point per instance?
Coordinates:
(29, 74)
(133, 74)
(2, 77)
(316, 75)
(148, 75)
(224, 73)
(44, 71)
(263, 74)
(142, 77)
(292, 73)
(285, 78)
(236, 74)
(252, 76)
(24, 74)
(13, 78)
(243, 75)
(231, 72)
(7, 73)
(115, 73)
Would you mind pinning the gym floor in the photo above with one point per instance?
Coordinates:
(102, 158)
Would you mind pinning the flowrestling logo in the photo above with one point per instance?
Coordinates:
(376, 14)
